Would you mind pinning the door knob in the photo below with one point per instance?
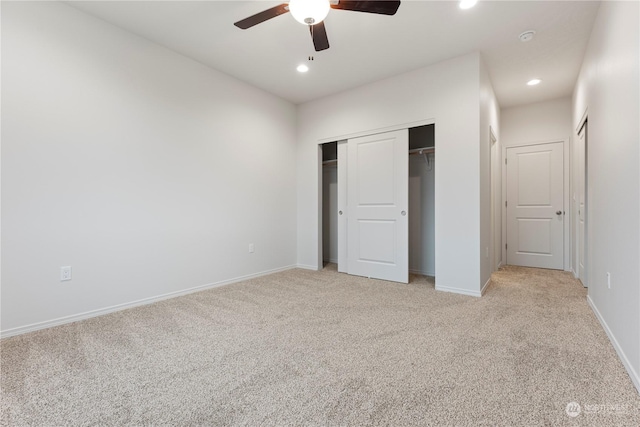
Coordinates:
(403, 213)
(339, 212)
(558, 212)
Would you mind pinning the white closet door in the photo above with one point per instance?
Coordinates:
(342, 207)
(377, 192)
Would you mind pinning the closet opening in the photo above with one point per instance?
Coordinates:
(420, 243)
(330, 203)
(422, 248)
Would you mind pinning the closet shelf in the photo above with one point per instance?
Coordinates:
(330, 162)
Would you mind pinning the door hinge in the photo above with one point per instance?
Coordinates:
(506, 245)
(505, 203)
(505, 161)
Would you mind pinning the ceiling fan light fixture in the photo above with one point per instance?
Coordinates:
(467, 4)
(309, 12)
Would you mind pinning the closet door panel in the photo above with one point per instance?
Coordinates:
(342, 207)
(377, 193)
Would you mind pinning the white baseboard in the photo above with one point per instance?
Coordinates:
(422, 273)
(635, 378)
(458, 291)
(102, 311)
(484, 288)
(307, 267)
(331, 260)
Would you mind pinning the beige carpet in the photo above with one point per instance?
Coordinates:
(323, 348)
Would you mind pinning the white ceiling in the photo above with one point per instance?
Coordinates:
(367, 47)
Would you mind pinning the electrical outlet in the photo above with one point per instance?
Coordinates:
(251, 248)
(65, 273)
(608, 280)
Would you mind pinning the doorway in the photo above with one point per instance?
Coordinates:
(330, 203)
(422, 170)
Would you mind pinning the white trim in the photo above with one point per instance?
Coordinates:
(525, 144)
(319, 195)
(503, 243)
(378, 130)
(484, 288)
(583, 119)
(422, 273)
(458, 291)
(145, 301)
(492, 135)
(493, 165)
(307, 267)
(635, 378)
(566, 211)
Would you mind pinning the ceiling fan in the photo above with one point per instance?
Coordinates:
(313, 12)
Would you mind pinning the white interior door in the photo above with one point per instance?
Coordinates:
(535, 206)
(377, 192)
(581, 245)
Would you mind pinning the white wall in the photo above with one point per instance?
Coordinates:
(422, 245)
(145, 171)
(489, 121)
(539, 122)
(609, 87)
(448, 93)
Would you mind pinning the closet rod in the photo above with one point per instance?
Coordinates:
(423, 152)
(420, 151)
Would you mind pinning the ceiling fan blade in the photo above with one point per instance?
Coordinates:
(262, 16)
(319, 36)
(381, 7)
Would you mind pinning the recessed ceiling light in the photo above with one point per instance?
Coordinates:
(527, 36)
(533, 82)
(302, 68)
(467, 4)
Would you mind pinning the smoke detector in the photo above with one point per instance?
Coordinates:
(527, 36)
